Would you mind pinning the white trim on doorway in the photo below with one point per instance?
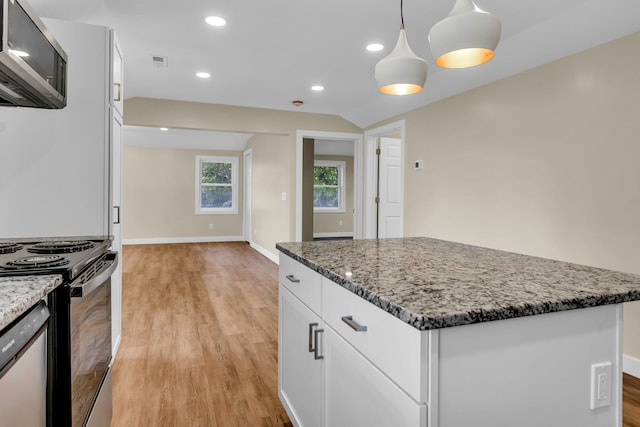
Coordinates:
(247, 170)
(370, 165)
(357, 139)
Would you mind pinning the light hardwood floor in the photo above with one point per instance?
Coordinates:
(199, 340)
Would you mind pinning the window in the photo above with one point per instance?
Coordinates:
(328, 186)
(216, 185)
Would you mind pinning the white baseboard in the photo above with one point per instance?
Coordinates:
(270, 255)
(631, 365)
(334, 234)
(163, 240)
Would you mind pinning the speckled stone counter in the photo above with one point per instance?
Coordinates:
(432, 284)
(18, 294)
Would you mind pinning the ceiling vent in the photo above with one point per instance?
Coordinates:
(160, 61)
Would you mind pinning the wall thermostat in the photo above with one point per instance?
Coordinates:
(418, 165)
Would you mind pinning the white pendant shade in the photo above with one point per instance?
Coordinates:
(467, 37)
(402, 72)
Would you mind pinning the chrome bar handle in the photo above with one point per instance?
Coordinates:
(116, 209)
(311, 326)
(316, 353)
(292, 278)
(353, 324)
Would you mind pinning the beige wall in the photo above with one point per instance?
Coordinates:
(271, 215)
(544, 163)
(159, 196)
(277, 129)
(330, 222)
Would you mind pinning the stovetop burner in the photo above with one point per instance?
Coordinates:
(9, 247)
(38, 261)
(62, 255)
(60, 246)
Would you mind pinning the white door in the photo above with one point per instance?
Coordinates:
(390, 190)
(247, 166)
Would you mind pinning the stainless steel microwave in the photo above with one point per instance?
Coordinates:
(33, 66)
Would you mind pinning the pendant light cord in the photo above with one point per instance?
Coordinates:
(401, 16)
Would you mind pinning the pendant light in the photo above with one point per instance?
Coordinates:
(467, 37)
(402, 72)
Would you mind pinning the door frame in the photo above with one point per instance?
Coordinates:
(370, 166)
(358, 144)
(247, 174)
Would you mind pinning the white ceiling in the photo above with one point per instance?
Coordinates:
(271, 52)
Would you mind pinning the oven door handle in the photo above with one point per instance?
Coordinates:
(80, 290)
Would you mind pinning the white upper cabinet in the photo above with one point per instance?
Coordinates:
(54, 164)
(117, 75)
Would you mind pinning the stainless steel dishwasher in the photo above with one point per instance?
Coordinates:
(23, 370)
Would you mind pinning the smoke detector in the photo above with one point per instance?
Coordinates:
(297, 103)
(160, 61)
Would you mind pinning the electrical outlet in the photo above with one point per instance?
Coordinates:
(600, 385)
(283, 195)
(340, 222)
(210, 226)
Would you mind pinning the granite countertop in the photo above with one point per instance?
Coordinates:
(18, 294)
(432, 284)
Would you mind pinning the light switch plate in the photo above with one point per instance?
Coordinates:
(600, 385)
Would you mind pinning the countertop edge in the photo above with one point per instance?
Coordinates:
(424, 323)
(26, 292)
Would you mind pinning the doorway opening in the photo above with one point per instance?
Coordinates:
(384, 160)
(340, 156)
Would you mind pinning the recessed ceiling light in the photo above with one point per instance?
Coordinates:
(375, 47)
(216, 21)
(164, 129)
(203, 75)
(317, 88)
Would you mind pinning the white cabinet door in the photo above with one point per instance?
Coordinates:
(358, 394)
(116, 227)
(117, 75)
(300, 375)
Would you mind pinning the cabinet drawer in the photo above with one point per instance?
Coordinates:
(399, 350)
(303, 282)
(357, 394)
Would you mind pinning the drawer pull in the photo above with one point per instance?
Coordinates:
(311, 326)
(316, 352)
(353, 324)
(292, 278)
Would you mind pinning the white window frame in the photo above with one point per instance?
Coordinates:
(234, 185)
(342, 169)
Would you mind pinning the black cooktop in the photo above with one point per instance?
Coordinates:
(65, 256)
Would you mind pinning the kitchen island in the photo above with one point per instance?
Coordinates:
(419, 331)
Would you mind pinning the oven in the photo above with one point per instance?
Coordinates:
(81, 394)
(79, 330)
